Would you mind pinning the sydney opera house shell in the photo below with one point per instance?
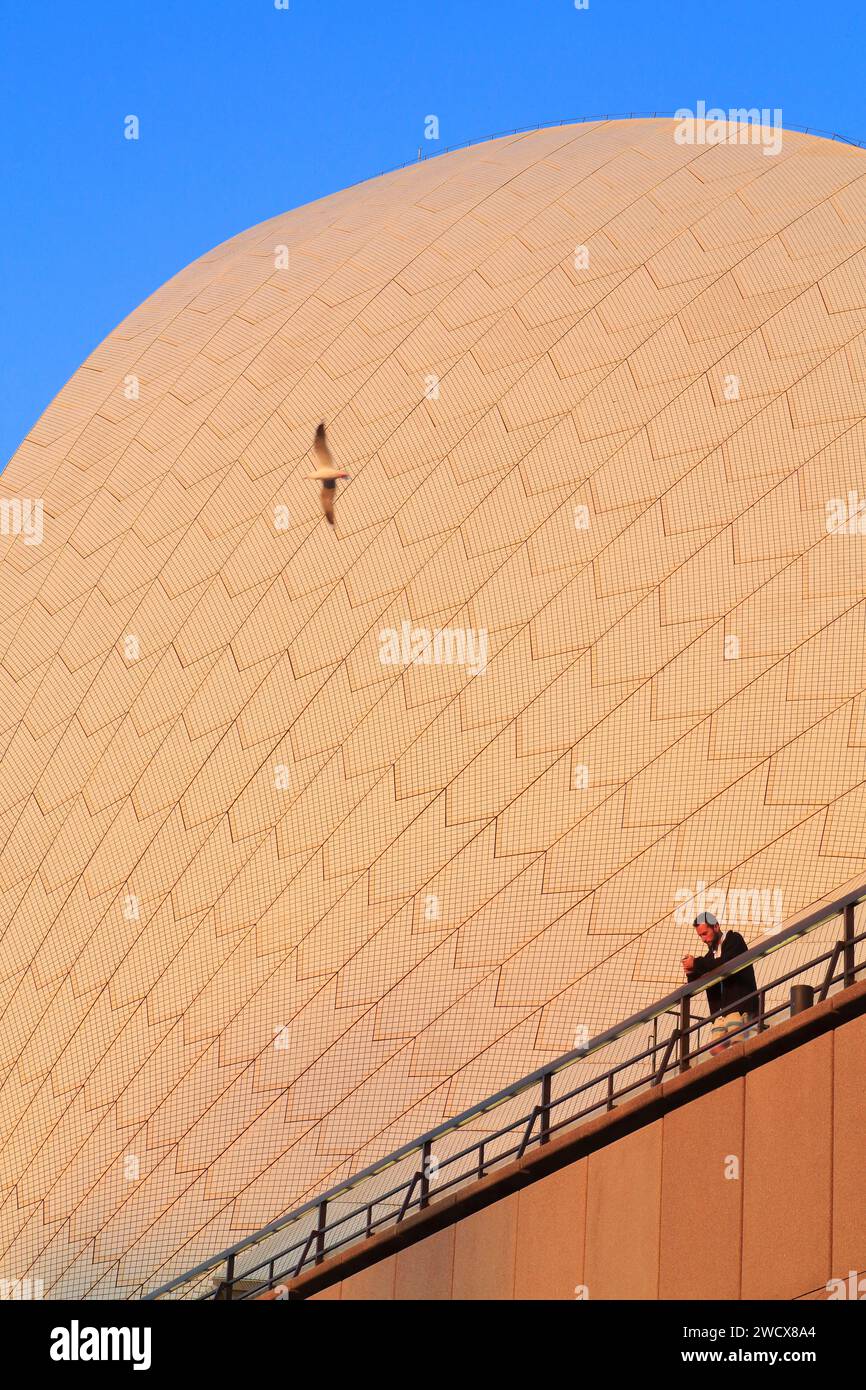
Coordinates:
(312, 837)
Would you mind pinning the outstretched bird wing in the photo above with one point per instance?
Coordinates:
(326, 473)
(324, 457)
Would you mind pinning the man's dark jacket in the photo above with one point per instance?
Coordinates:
(728, 995)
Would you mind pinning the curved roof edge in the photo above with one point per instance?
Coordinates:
(586, 120)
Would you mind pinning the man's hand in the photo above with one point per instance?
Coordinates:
(688, 963)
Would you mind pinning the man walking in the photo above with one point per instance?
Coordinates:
(733, 1001)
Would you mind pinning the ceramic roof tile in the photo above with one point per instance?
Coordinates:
(426, 875)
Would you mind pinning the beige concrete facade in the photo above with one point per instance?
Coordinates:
(270, 905)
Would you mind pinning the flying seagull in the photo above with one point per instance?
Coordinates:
(327, 473)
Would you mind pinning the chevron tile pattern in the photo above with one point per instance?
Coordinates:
(271, 905)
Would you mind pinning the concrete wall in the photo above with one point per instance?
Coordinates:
(753, 1190)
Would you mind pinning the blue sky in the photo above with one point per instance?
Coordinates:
(247, 110)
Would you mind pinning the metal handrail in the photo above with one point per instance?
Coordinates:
(586, 120)
(403, 1195)
(681, 1035)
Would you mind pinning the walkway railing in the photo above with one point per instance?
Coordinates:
(531, 1111)
(585, 120)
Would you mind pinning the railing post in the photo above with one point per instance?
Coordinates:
(230, 1274)
(848, 938)
(320, 1232)
(685, 1021)
(425, 1175)
(544, 1131)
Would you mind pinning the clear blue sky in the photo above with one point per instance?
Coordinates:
(247, 110)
